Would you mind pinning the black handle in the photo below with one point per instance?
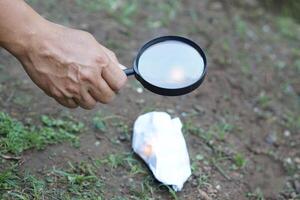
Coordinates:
(129, 71)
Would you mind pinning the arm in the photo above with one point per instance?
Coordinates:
(67, 64)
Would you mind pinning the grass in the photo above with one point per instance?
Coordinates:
(79, 181)
(263, 100)
(241, 26)
(291, 121)
(256, 195)
(99, 123)
(288, 28)
(127, 12)
(15, 137)
(218, 130)
(239, 160)
(122, 11)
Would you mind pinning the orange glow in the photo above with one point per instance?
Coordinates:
(177, 74)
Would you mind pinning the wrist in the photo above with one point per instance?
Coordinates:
(19, 24)
(21, 40)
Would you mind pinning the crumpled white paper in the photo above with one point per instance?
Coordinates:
(158, 140)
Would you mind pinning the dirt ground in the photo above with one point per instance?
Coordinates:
(242, 126)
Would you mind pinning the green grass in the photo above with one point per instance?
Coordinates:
(241, 26)
(263, 100)
(15, 137)
(126, 12)
(99, 123)
(122, 11)
(218, 130)
(288, 28)
(78, 181)
(256, 195)
(240, 160)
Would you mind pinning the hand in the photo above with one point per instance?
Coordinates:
(71, 66)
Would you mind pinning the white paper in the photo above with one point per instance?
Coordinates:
(159, 141)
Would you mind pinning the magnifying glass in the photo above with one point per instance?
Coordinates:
(170, 66)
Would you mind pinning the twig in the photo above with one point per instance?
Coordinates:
(9, 97)
(221, 170)
(6, 157)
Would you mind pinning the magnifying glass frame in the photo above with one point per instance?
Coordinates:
(167, 91)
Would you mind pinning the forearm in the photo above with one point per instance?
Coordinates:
(18, 25)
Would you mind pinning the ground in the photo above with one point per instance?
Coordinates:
(242, 126)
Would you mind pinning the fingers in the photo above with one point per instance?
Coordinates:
(86, 101)
(113, 74)
(102, 93)
(69, 103)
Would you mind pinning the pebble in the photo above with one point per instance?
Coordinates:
(171, 111)
(266, 28)
(139, 90)
(199, 109)
(218, 187)
(271, 138)
(203, 195)
(289, 161)
(184, 114)
(195, 183)
(287, 133)
(140, 101)
(122, 138)
(297, 186)
(216, 6)
(97, 143)
(297, 160)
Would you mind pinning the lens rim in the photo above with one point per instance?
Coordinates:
(169, 91)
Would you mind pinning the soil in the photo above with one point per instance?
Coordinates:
(242, 70)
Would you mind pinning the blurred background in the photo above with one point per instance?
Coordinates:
(242, 126)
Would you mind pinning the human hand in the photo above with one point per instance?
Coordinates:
(71, 66)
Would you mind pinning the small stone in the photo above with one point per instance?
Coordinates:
(287, 133)
(139, 90)
(271, 138)
(122, 138)
(289, 161)
(199, 157)
(218, 187)
(297, 160)
(203, 195)
(171, 111)
(266, 28)
(297, 186)
(195, 183)
(97, 143)
(140, 101)
(184, 114)
(84, 26)
(216, 6)
(199, 109)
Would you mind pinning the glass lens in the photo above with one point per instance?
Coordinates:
(171, 64)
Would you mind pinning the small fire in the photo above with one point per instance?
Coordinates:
(177, 74)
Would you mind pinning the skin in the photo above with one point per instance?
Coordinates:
(67, 64)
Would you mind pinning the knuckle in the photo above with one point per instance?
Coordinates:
(56, 93)
(103, 60)
(73, 90)
(87, 76)
(108, 98)
(121, 82)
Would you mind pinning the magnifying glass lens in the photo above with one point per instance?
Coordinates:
(171, 64)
